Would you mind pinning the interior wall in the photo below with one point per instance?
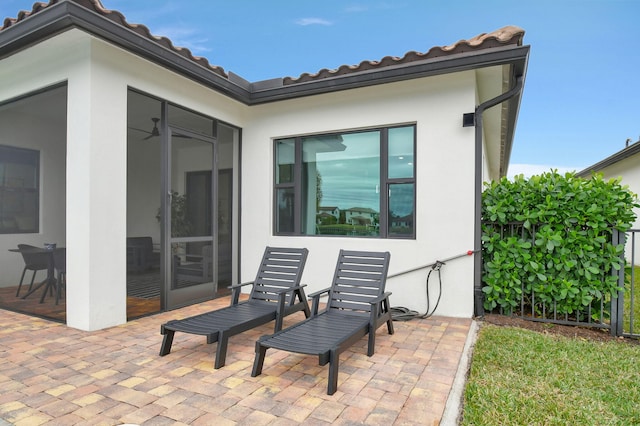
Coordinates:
(24, 124)
(143, 189)
(144, 168)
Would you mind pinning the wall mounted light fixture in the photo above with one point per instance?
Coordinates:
(468, 119)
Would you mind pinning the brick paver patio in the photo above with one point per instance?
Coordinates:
(55, 375)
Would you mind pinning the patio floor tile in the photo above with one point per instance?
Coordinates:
(53, 374)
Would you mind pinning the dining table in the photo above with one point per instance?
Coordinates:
(50, 283)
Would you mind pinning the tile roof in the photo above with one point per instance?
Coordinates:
(118, 18)
(509, 35)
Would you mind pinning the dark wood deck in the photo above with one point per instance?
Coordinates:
(136, 307)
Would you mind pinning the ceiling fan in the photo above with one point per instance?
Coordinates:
(154, 131)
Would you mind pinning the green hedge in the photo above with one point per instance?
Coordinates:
(547, 239)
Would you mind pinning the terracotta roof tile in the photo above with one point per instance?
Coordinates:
(504, 36)
(118, 18)
(509, 35)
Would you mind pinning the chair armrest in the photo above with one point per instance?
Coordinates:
(315, 297)
(239, 285)
(318, 293)
(288, 289)
(235, 292)
(379, 306)
(380, 298)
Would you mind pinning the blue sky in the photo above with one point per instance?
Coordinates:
(582, 92)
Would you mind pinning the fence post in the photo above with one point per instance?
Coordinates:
(617, 302)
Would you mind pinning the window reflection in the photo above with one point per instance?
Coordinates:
(401, 202)
(341, 184)
(401, 152)
(344, 183)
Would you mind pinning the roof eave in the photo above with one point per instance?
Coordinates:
(613, 159)
(65, 15)
(515, 55)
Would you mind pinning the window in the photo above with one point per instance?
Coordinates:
(19, 190)
(356, 183)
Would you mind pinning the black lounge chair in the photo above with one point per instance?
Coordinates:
(357, 306)
(273, 296)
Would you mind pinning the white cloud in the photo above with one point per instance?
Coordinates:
(181, 36)
(356, 9)
(313, 21)
(529, 170)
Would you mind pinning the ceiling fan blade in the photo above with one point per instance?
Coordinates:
(139, 130)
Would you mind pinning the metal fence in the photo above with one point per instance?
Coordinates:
(620, 314)
(628, 301)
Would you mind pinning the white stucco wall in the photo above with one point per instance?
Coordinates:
(445, 179)
(98, 76)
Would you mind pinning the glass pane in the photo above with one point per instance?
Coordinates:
(144, 177)
(188, 120)
(192, 264)
(284, 212)
(191, 211)
(340, 187)
(401, 152)
(18, 190)
(401, 206)
(285, 159)
(191, 202)
(227, 138)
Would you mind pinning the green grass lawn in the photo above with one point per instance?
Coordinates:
(521, 377)
(632, 298)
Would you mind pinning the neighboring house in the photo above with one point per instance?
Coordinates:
(402, 222)
(113, 130)
(326, 213)
(623, 164)
(360, 216)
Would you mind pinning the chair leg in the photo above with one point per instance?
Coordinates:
(390, 326)
(387, 314)
(334, 360)
(21, 279)
(33, 277)
(278, 323)
(58, 286)
(221, 351)
(372, 341)
(167, 341)
(258, 361)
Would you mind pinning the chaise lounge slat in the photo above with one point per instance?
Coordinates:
(352, 312)
(272, 297)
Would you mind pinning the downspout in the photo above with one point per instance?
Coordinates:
(477, 241)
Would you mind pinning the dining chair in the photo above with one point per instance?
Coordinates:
(32, 262)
